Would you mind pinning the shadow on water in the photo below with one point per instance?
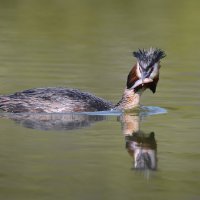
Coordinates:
(140, 146)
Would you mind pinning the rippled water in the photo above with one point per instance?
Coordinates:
(88, 45)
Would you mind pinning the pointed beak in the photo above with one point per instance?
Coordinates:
(143, 76)
(143, 80)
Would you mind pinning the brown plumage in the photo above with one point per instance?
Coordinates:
(132, 77)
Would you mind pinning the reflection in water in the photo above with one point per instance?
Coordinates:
(70, 121)
(141, 146)
(53, 121)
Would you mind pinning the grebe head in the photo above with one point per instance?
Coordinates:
(145, 74)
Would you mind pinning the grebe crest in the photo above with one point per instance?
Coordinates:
(147, 58)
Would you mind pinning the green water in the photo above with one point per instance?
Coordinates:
(88, 45)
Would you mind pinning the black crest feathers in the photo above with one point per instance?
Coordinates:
(147, 58)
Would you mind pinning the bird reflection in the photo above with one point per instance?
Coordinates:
(45, 121)
(141, 146)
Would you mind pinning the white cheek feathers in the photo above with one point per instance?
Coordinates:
(155, 72)
(138, 71)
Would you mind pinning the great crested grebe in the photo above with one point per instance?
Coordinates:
(143, 75)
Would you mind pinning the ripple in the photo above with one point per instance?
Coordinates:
(152, 110)
(143, 111)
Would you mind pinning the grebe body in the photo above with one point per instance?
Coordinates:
(53, 100)
(143, 75)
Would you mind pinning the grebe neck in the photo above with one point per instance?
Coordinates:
(129, 100)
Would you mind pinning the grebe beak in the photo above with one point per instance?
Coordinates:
(144, 77)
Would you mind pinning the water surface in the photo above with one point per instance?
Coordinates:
(88, 45)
